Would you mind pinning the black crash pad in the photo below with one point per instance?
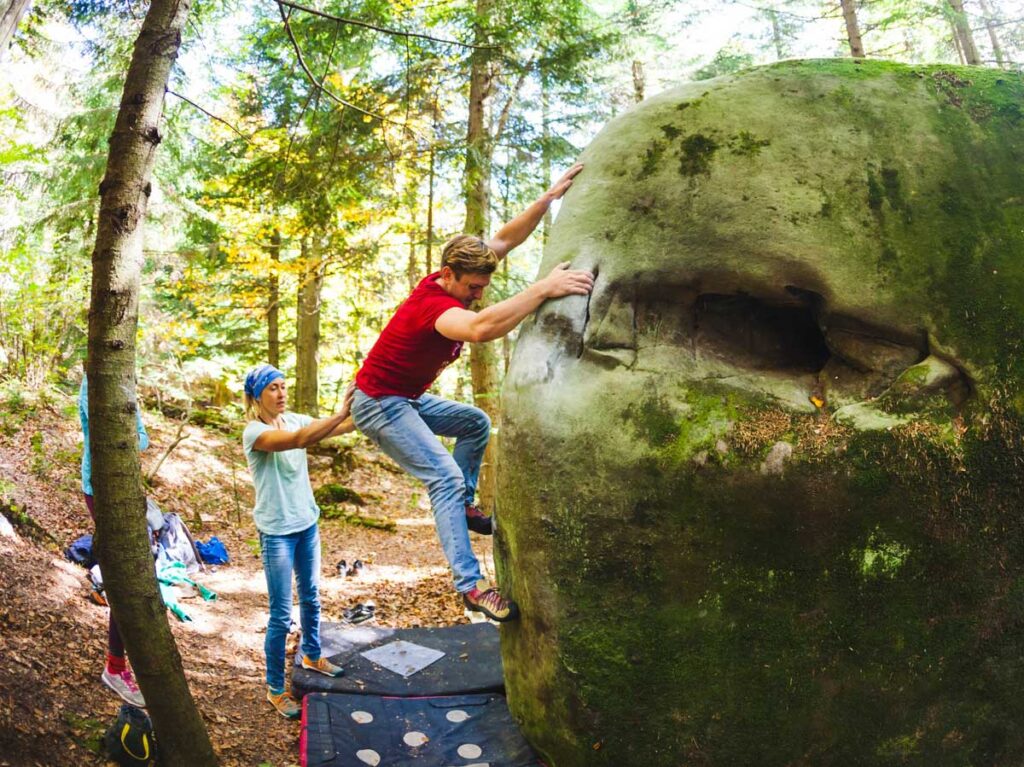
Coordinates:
(471, 662)
(340, 729)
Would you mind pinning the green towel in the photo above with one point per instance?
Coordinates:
(169, 574)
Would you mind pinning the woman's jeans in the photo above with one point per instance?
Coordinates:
(281, 555)
(406, 430)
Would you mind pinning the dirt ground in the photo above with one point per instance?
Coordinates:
(53, 706)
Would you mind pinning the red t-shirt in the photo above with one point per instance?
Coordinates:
(410, 354)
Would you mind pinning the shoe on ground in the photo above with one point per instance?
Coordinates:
(322, 666)
(285, 704)
(486, 599)
(124, 685)
(360, 613)
(477, 521)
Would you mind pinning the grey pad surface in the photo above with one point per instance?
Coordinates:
(471, 661)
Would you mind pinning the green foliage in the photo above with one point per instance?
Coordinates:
(727, 61)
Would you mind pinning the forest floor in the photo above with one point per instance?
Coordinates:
(53, 706)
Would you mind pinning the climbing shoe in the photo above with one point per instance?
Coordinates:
(477, 521)
(323, 666)
(124, 685)
(486, 599)
(285, 704)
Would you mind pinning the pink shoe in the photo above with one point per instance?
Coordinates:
(124, 685)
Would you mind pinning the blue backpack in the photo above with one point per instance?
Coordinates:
(80, 552)
(212, 553)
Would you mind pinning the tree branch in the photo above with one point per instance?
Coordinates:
(209, 114)
(367, 25)
(507, 109)
(312, 77)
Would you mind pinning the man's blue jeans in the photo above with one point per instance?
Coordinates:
(282, 554)
(406, 430)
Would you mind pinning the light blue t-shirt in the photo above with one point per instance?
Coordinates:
(83, 416)
(284, 497)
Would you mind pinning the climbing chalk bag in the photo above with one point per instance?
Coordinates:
(129, 740)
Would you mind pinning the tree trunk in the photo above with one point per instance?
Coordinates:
(477, 175)
(638, 80)
(963, 33)
(997, 49)
(430, 215)
(274, 301)
(430, 187)
(852, 29)
(307, 331)
(122, 545)
(13, 11)
(545, 151)
(956, 44)
(411, 271)
(483, 360)
(776, 34)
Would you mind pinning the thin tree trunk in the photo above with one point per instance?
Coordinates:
(122, 545)
(430, 215)
(274, 301)
(956, 44)
(412, 195)
(430, 186)
(411, 271)
(12, 14)
(852, 29)
(638, 80)
(545, 151)
(776, 34)
(483, 361)
(997, 49)
(506, 341)
(963, 33)
(477, 174)
(307, 331)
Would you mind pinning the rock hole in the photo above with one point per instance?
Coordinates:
(759, 335)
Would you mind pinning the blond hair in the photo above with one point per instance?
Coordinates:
(251, 405)
(466, 253)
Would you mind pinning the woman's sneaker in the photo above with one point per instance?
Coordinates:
(486, 599)
(285, 704)
(124, 685)
(477, 521)
(322, 665)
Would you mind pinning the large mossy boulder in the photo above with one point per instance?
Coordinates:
(761, 494)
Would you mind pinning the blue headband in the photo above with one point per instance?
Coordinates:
(258, 379)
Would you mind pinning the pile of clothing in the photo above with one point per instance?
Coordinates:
(175, 558)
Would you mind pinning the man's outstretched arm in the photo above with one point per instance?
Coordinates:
(499, 319)
(519, 228)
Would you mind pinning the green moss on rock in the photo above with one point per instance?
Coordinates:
(333, 493)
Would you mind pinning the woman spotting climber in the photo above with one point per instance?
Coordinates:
(286, 516)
